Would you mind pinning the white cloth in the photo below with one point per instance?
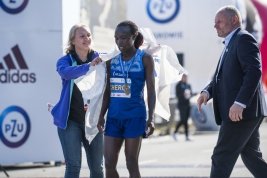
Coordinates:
(92, 86)
(167, 71)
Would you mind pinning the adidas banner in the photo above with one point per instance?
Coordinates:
(31, 41)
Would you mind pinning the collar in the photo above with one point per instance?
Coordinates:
(228, 37)
(79, 61)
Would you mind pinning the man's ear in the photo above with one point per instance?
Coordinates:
(235, 19)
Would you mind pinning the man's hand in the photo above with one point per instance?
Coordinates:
(235, 112)
(203, 98)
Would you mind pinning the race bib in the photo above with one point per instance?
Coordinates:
(117, 87)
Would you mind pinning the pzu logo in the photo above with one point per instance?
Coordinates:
(13, 6)
(163, 11)
(15, 126)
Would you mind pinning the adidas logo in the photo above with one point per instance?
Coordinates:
(12, 74)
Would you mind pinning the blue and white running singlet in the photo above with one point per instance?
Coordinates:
(132, 105)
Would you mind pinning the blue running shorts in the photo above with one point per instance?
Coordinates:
(125, 128)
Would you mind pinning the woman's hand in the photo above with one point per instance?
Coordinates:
(101, 124)
(150, 127)
(96, 61)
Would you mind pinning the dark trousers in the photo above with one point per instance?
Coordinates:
(184, 115)
(237, 138)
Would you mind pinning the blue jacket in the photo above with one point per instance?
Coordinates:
(68, 70)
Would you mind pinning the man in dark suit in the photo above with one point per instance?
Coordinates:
(238, 98)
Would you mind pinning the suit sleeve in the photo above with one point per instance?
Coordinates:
(249, 59)
(209, 89)
(68, 72)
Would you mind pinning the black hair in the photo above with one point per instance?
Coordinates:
(133, 29)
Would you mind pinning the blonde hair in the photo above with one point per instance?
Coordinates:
(73, 29)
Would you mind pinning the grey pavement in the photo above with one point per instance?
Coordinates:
(160, 156)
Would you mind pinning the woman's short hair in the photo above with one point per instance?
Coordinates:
(70, 46)
(134, 31)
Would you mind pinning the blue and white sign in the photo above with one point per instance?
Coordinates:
(15, 126)
(27, 132)
(13, 6)
(176, 23)
(163, 11)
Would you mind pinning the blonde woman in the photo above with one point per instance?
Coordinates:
(69, 112)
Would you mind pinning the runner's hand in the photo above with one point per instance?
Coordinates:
(101, 125)
(150, 127)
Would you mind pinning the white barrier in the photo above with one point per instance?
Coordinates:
(30, 44)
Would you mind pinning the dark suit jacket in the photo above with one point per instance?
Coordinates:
(239, 79)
